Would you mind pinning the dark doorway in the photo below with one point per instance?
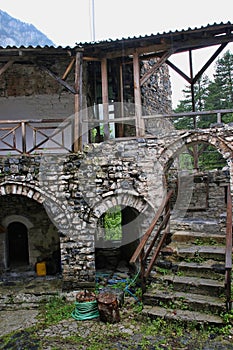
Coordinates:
(115, 246)
(18, 244)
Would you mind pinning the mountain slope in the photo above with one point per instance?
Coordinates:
(13, 32)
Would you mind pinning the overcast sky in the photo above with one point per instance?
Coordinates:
(69, 22)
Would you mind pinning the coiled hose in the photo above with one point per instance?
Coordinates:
(85, 310)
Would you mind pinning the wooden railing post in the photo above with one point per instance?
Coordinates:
(104, 77)
(147, 243)
(140, 129)
(24, 146)
(228, 257)
(77, 132)
(219, 118)
(142, 272)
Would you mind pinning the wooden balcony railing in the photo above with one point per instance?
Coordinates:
(228, 257)
(57, 135)
(39, 135)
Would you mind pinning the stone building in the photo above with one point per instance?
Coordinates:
(86, 137)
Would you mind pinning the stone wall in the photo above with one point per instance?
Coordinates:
(43, 238)
(156, 91)
(76, 189)
(207, 200)
(26, 91)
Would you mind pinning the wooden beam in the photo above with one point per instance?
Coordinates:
(208, 63)
(121, 87)
(6, 66)
(155, 67)
(177, 70)
(157, 48)
(90, 59)
(68, 69)
(140, 129)
(104, 79)
(77, 135)
(58, 79)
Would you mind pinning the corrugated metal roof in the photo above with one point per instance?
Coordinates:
(107, 42)
(152, 35)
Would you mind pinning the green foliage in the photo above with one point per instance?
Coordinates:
(220, 91)
(228, 317)
(112, 224)
(55, 310)
(162, 270)
(209, 95)
(210, 241)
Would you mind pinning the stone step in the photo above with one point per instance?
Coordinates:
(198, 238)
(180, 300)
(197, 225)
(206, 268)
(194, 285)
(185, 316)
(21, 300)
(193, 252)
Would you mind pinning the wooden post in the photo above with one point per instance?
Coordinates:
(195, 147)
(140, 130)
(104, 78)
(77, 135)
(24, 147)
(219, 118)
(142, 272)
(121, 87)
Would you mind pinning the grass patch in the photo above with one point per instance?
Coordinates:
(55, 310)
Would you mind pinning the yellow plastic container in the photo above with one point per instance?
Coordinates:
(41, 268)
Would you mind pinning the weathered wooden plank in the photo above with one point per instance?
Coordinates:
(58, 79)
(179, 71)
(156, 66)
(77, 137)
(137, 96)
(104, 78)
(6, 66)
(68, 69)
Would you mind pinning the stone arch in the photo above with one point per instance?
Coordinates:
(51, 249)
(136, 215)
(55, 209)
(125, 198)
(220, 139)
(19, 218)
(207, 136)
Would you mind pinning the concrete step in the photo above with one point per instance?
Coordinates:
(195, 224)
(194, 252)
(185, 316)
(203, 269)
(194, 285)
(183, 301)
(198, 238)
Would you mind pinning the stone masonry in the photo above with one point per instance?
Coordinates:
(74, 190)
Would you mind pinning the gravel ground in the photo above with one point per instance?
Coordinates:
(24, 330)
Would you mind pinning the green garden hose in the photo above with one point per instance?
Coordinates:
(85, 310)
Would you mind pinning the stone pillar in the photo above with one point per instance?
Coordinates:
(78, 257)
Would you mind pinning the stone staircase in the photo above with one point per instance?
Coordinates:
(187, 282)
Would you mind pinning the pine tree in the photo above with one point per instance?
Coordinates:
(220, 91)
(185, 105)
(209, 95)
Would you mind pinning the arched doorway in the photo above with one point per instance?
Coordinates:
(18, 254)
(116, 238)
